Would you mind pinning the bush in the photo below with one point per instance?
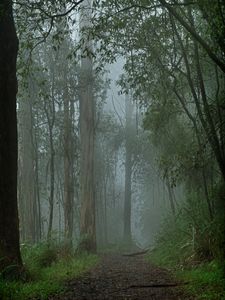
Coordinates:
(193, 243)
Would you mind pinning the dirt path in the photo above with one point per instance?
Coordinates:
(123, 278)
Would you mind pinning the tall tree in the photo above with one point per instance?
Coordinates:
(68, 167)
(87, 123)
(49, 108)
(128, 171)
(9, 224)
(28, 203)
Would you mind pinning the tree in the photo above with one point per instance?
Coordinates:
(109, 217)
(196, 37)
(28, 197)
(9, 223)
(49, 108)
(87, 125)
(68, 163)
(128, 171)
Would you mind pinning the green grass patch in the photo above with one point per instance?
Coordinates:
(206, 281)
(46, 279)
(193, 259)
(172, 255)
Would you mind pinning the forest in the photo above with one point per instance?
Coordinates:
(112, 149)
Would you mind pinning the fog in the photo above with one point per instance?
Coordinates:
(118, 131)
(120, 127)
(110, 136)
(112, 149)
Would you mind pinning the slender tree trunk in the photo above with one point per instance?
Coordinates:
(37, 187)
(196, 37)
(105, 224)
(171, 197)
(128, 173)
(87, 112)
(50, 114)
(198, 136)
(204, 115)
(52, 181)
(68, 172)
(27, 198)
(9, 223)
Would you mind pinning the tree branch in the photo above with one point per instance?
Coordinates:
(194, 34)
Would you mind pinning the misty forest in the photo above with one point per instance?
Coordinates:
(112, 149)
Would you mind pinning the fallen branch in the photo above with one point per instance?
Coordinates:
(158, 285)
(137, 253)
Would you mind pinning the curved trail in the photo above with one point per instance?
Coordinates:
(123, 278)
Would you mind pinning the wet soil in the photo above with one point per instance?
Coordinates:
(119, 277)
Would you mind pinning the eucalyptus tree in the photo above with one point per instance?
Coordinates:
(70, 143)
(48, 97)
(109, 140)
(87, 133)
(128, 170)
(28, 189)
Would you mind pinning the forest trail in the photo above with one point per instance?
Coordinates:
(119, 277)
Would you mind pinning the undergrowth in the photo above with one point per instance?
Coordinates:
(49, 267)
(206, 281)
(189, 245)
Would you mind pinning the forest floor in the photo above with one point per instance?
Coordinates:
(124, 277)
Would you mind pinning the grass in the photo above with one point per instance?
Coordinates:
(174, 251)
(206, 281)
(45, 279)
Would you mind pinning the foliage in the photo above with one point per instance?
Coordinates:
(206, 281)
(48, 270)
(191, 243)
(173, 243)
(190, 235)
(40, 255)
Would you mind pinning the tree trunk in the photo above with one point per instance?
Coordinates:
(52, 181)
(105, 215)
(87, 108)
(128, 173)
(37, 187)
(49, 108)
(204, 114)
(171, 197)
(9, 224)
(68, 172)
(28, 206)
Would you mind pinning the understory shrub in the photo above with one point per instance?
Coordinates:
(193, 243)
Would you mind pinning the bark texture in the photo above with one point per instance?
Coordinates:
(9, 224)
(28, 204)
(68, 171)
(87, 108)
